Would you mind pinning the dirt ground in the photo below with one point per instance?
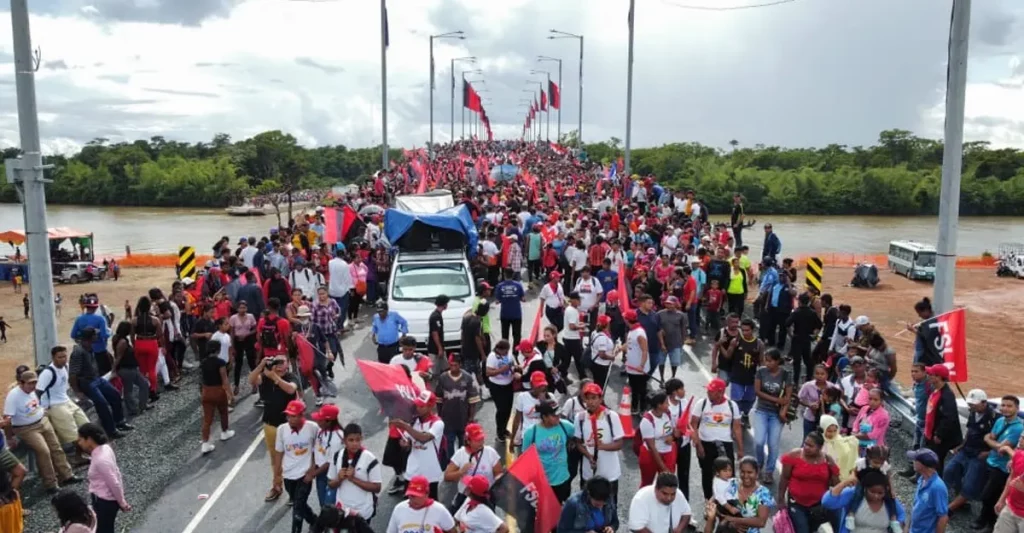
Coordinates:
(994, 330)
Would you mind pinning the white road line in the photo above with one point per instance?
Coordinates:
(198, 518)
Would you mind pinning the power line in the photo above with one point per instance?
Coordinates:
(728, 8)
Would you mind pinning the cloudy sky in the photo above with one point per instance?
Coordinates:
(806, 73)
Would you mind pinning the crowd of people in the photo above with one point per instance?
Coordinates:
(629, 275)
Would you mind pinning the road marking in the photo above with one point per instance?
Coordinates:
(191, 527)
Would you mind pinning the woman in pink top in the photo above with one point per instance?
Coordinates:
(105, 485)
(871, 422)
(73, 513)
(358, 271)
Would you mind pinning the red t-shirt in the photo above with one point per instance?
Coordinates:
(808, 482)
(1015, 500)
(284, 331)
(714, 299)
(689, 289)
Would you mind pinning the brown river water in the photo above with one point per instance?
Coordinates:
(163, 230)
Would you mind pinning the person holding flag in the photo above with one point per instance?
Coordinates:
(679, 407)
(425, 439)
(657, 451)
(475, 516)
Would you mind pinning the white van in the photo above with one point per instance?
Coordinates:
(417, 278)
(912, 259)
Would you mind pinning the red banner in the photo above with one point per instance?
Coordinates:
(525, 493)
(948, 333)
(392, 388)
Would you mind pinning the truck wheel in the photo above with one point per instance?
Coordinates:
(74, 279)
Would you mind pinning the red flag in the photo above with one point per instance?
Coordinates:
(543, 101)
(683, 424)
(554, 95)
(948, 334)
(392, 388)
(338, 223)
(524, 492)
(623, 293)
(470, 99)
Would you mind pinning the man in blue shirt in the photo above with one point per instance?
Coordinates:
(964, 469)
(92, 318)
(1005, 432)
(388, 328)
(931, 499)
(608, 278)
(510, 297)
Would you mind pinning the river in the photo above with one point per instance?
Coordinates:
(163, 230)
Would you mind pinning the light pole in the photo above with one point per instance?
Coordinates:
(558, 131)
(547, 89)
(464, 80)
(449, 35)
(467, 59)
(555, 34)
(629, 90)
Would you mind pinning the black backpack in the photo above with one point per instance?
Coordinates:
(39, 375)
(269, 334)
(354, 462)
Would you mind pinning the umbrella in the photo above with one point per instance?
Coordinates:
(371, 210)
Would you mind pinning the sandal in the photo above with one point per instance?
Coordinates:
(273, 495)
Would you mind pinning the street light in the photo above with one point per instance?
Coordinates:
(467, 59)
(450, 35)
(548, 89)
(558, 131)
(555, 34)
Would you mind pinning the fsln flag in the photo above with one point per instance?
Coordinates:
(392, 388)
(524, 493)
(945, 337)
(554, 96)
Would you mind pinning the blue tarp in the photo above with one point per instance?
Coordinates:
(397, 223)
(504, 172)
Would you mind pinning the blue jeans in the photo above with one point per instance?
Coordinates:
(343, 304)
(809, 427)
(802, 521)
(326, 495)
(767, 431)
(675, 356)
(656, 359)
(743, 395)
(965, 473)
(107, 402)
(455, 439)
(325, 340)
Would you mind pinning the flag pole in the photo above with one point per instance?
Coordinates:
(548, 89)
(629, 89)
(558, 132)
(384, 84)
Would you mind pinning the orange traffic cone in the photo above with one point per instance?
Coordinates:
(625, 412)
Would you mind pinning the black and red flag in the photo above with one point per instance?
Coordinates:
(470, 99)
(392, 388)
(543, 101)
(524, 493)
(554, 95)
(341, 223)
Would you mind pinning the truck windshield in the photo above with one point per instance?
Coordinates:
(925, 260)
(425, 282)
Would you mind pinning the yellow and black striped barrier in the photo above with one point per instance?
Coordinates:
(186, 262)
(813, 273)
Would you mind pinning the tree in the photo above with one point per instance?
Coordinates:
(272, 191)
(734, 143)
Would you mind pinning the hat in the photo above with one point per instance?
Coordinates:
(924, 456)
(525, 346)
(976, 396)
(484, 286)
(91, 301)
(187, 280)
(630, 315)
(856, 360)
(604, 320)
(672, 300)
(475, 432)
(295, 408)
(651, 251)
(862, 320)
(28, 376)
(425, 398)
(477, 484)
(592, 388)
(452, 359)
(382, 306)
(538, 379)
(243, 240)
(303, 311)
(717, 385)
(555, 275)
(612, 296)
(419, 487)
(938, 370)
(327, 412)
(424, 364)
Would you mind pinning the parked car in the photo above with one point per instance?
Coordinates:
(78, 271)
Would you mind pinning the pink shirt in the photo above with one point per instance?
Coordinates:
(358, 272)
(104, 475)
(240, 327)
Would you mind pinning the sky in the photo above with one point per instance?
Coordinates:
(803, 73)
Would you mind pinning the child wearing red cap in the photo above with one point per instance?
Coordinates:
(475, 516)
(420, 512)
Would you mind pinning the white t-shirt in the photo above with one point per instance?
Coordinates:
(553, 298)
(341, 278)
(23, 407)
(572, 407)
(58, 393)
(495, 361)
(590, 292)
(715, 420)
(526, 405)
(225, 345)
(676, 410)
(423, 455)
(658, 428)
(407, 363)
(634, 353)
(326, 445)
(297, 447)
(617, 258)
(405, 519)
(572, 316)
(862, 463)
(246, 256)
(482, 463)
(601, 343)
(480, 520)
(720, 489)
(350, 496)
(609, 429)
(645, 511)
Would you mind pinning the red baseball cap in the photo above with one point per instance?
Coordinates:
(525, 346)
(424, 364)
(555, 275)
(475, 432)
(477, 484)
(604, 320)
(419, 487)
(938, 370)
(295, 408)
(327, 412)
(613, 296)
(592, 388)
(630, 316)
(453, 359)
(538, 379)
(717, 385)
(425, 398)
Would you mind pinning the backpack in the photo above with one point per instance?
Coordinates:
(345, 463)
(638, 440)
(269, 335)
(704, 404)
(39, 375)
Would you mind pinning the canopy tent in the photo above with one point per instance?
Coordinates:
(449, 229)
(55, 234)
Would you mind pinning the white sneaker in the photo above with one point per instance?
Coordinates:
(208, 447)
(225, 435)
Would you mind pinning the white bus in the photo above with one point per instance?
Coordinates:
(912, 259)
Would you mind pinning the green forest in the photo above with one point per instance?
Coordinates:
(899, 175)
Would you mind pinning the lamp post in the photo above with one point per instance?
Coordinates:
(467, 59)
(464, 80)
(547, 88)
(449, 35)
(555, 34)
(558, 131)
(629, 92)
